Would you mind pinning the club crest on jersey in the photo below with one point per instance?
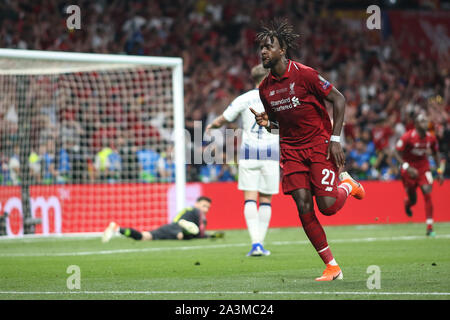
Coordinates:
(295, 101)
(291, 87)
(271, 93)
(325, 84)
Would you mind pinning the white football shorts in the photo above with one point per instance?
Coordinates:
(259, 175)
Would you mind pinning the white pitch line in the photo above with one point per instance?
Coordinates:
(216, 246)
(51, 236)
(228, 292)
(116, 251)
(369, 239)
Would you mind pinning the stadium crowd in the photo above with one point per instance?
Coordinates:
(384, 89)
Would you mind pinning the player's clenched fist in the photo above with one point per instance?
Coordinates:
(262, 119)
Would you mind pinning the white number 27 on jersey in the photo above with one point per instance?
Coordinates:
(328, 174)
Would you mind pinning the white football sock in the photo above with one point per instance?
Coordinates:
(332, 263)
(347, 187)
(251, 217)
(265, 213)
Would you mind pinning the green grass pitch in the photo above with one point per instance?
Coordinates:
(411, 266)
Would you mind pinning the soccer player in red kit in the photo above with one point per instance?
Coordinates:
(310, 151)
(412, 151)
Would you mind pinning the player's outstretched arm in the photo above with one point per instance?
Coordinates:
(335, 148)
(217, 123)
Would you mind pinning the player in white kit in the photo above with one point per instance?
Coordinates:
(259, 170)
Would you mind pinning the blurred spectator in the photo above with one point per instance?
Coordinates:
(77, 162)
(192, 173)
(64, 164)
(103, 132)
(107, 164)
(130, 163)
(228, 172)
(4, 170)
(381, 134)
(35, 163)
(166, 165)
(148, 164)
(360, 160)
(14, 166)
(71, 132)
(48, 163)
(210, 172)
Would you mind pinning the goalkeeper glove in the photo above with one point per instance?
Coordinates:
(217, 234)
(189, 227)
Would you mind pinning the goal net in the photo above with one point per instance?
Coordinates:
(86, 139)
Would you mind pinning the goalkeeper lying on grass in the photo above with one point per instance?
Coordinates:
(188, 224)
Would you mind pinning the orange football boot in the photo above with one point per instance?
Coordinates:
(331, 273)
(357, 189)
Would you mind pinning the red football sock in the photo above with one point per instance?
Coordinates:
(316, 235)
(407, 202)
(428, 209)
(342, 195)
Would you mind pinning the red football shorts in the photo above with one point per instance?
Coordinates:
(309, 169)
(424, 177)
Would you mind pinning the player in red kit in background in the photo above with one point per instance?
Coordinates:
(310, 151)
(412, 151)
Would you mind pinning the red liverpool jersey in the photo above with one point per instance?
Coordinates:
(416, 149)
(296, 101)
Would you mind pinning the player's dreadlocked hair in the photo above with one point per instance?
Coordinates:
(283, 31)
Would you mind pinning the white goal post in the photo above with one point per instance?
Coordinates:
(29, 63)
